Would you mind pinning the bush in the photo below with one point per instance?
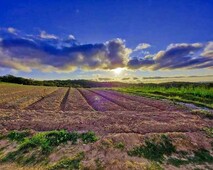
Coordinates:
(17, 136)
(119, 145)
(89, 137)
(201, 156)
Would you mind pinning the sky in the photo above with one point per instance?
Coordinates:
(107, 40)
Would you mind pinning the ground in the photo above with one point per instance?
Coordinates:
(127, 127)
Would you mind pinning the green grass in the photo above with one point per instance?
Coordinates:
(43, 143)
(119, 145)
(200, 156)
(209, 131)
(154, 150)
(203, 113)
(154, 166)
(17, 136)
(88, 137)
(69, 163)
(201, 95)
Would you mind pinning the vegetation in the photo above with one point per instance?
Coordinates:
(69, 163)
(200, 156)
(17, 136)
(203, 113)
(197, 93)
(89, 137)
(153, 149)
(119, 145)
(60, 83)
(209, 131)
(44, 143)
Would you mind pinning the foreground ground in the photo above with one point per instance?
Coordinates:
(112, 130)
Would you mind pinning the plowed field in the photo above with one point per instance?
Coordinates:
(113, 116)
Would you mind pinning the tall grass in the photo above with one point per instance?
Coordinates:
(198, 94)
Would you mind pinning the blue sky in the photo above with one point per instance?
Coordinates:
(181, 29)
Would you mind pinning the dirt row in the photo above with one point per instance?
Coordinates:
(50, 102)
(154, 103)
(76, 102)
(100, 103)
(83, 100)
(102, 122)
(24, 98)
(125, 102)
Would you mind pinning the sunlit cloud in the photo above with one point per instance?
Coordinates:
(50, 53)
(176, 56)
(142, 46)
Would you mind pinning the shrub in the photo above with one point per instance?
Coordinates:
(17, 136)
(119, 145)
(89, 137)
(201, 156)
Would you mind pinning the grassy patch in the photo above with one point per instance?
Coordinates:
(177, 162)
(209, 131)
(88, 137)
(154, 166)
(153, 149)
(199, 94)
(200, 156)
(98, 164)
(203, 113)
(43, 143)
(17, 136)
(69, 163)
(119, 145)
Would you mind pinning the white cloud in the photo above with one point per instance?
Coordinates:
(11, 30)
(142, 46)
(208, 51)
(71, 37)
(47, 36)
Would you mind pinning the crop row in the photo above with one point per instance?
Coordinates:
(51, 101)
(24, 98)
(100, 103)
(125, 102)
(102, 122)
(159, 104)
(76, 102)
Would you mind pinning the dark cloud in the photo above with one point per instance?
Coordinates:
(126, 78)
(49, 53)
(193, 76)
(176, 56)
(104, 79)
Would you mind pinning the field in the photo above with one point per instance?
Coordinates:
(199, 94)
(96, 128)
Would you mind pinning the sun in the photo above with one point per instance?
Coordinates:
(118, 71)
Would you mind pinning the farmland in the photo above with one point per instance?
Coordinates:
(199, 94)
(95, 128)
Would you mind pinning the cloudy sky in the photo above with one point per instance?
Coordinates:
(132, 41)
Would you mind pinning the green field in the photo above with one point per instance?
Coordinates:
(201, 94)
